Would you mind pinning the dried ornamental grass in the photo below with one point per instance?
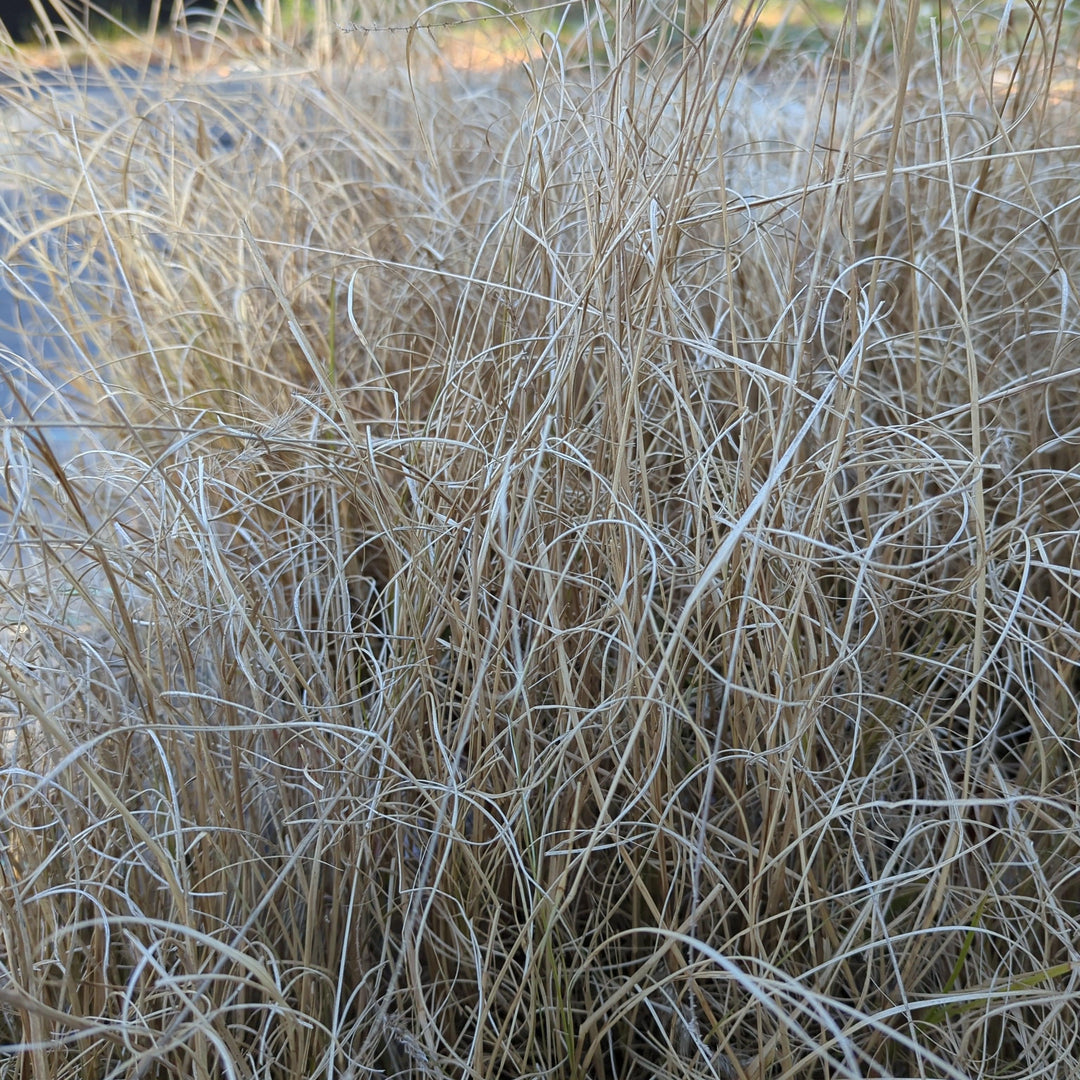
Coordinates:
(572, 569)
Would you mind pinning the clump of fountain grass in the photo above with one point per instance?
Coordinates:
(571, 570)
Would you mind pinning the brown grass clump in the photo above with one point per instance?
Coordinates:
(558, 570)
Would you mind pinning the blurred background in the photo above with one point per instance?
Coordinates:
(20, 16)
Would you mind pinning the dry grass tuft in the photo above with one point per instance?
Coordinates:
(564, 569)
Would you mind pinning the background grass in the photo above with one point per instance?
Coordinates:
(569, 567)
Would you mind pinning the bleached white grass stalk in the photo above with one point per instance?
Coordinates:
(581, 578)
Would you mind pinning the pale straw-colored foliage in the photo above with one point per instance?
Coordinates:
(569, 568)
